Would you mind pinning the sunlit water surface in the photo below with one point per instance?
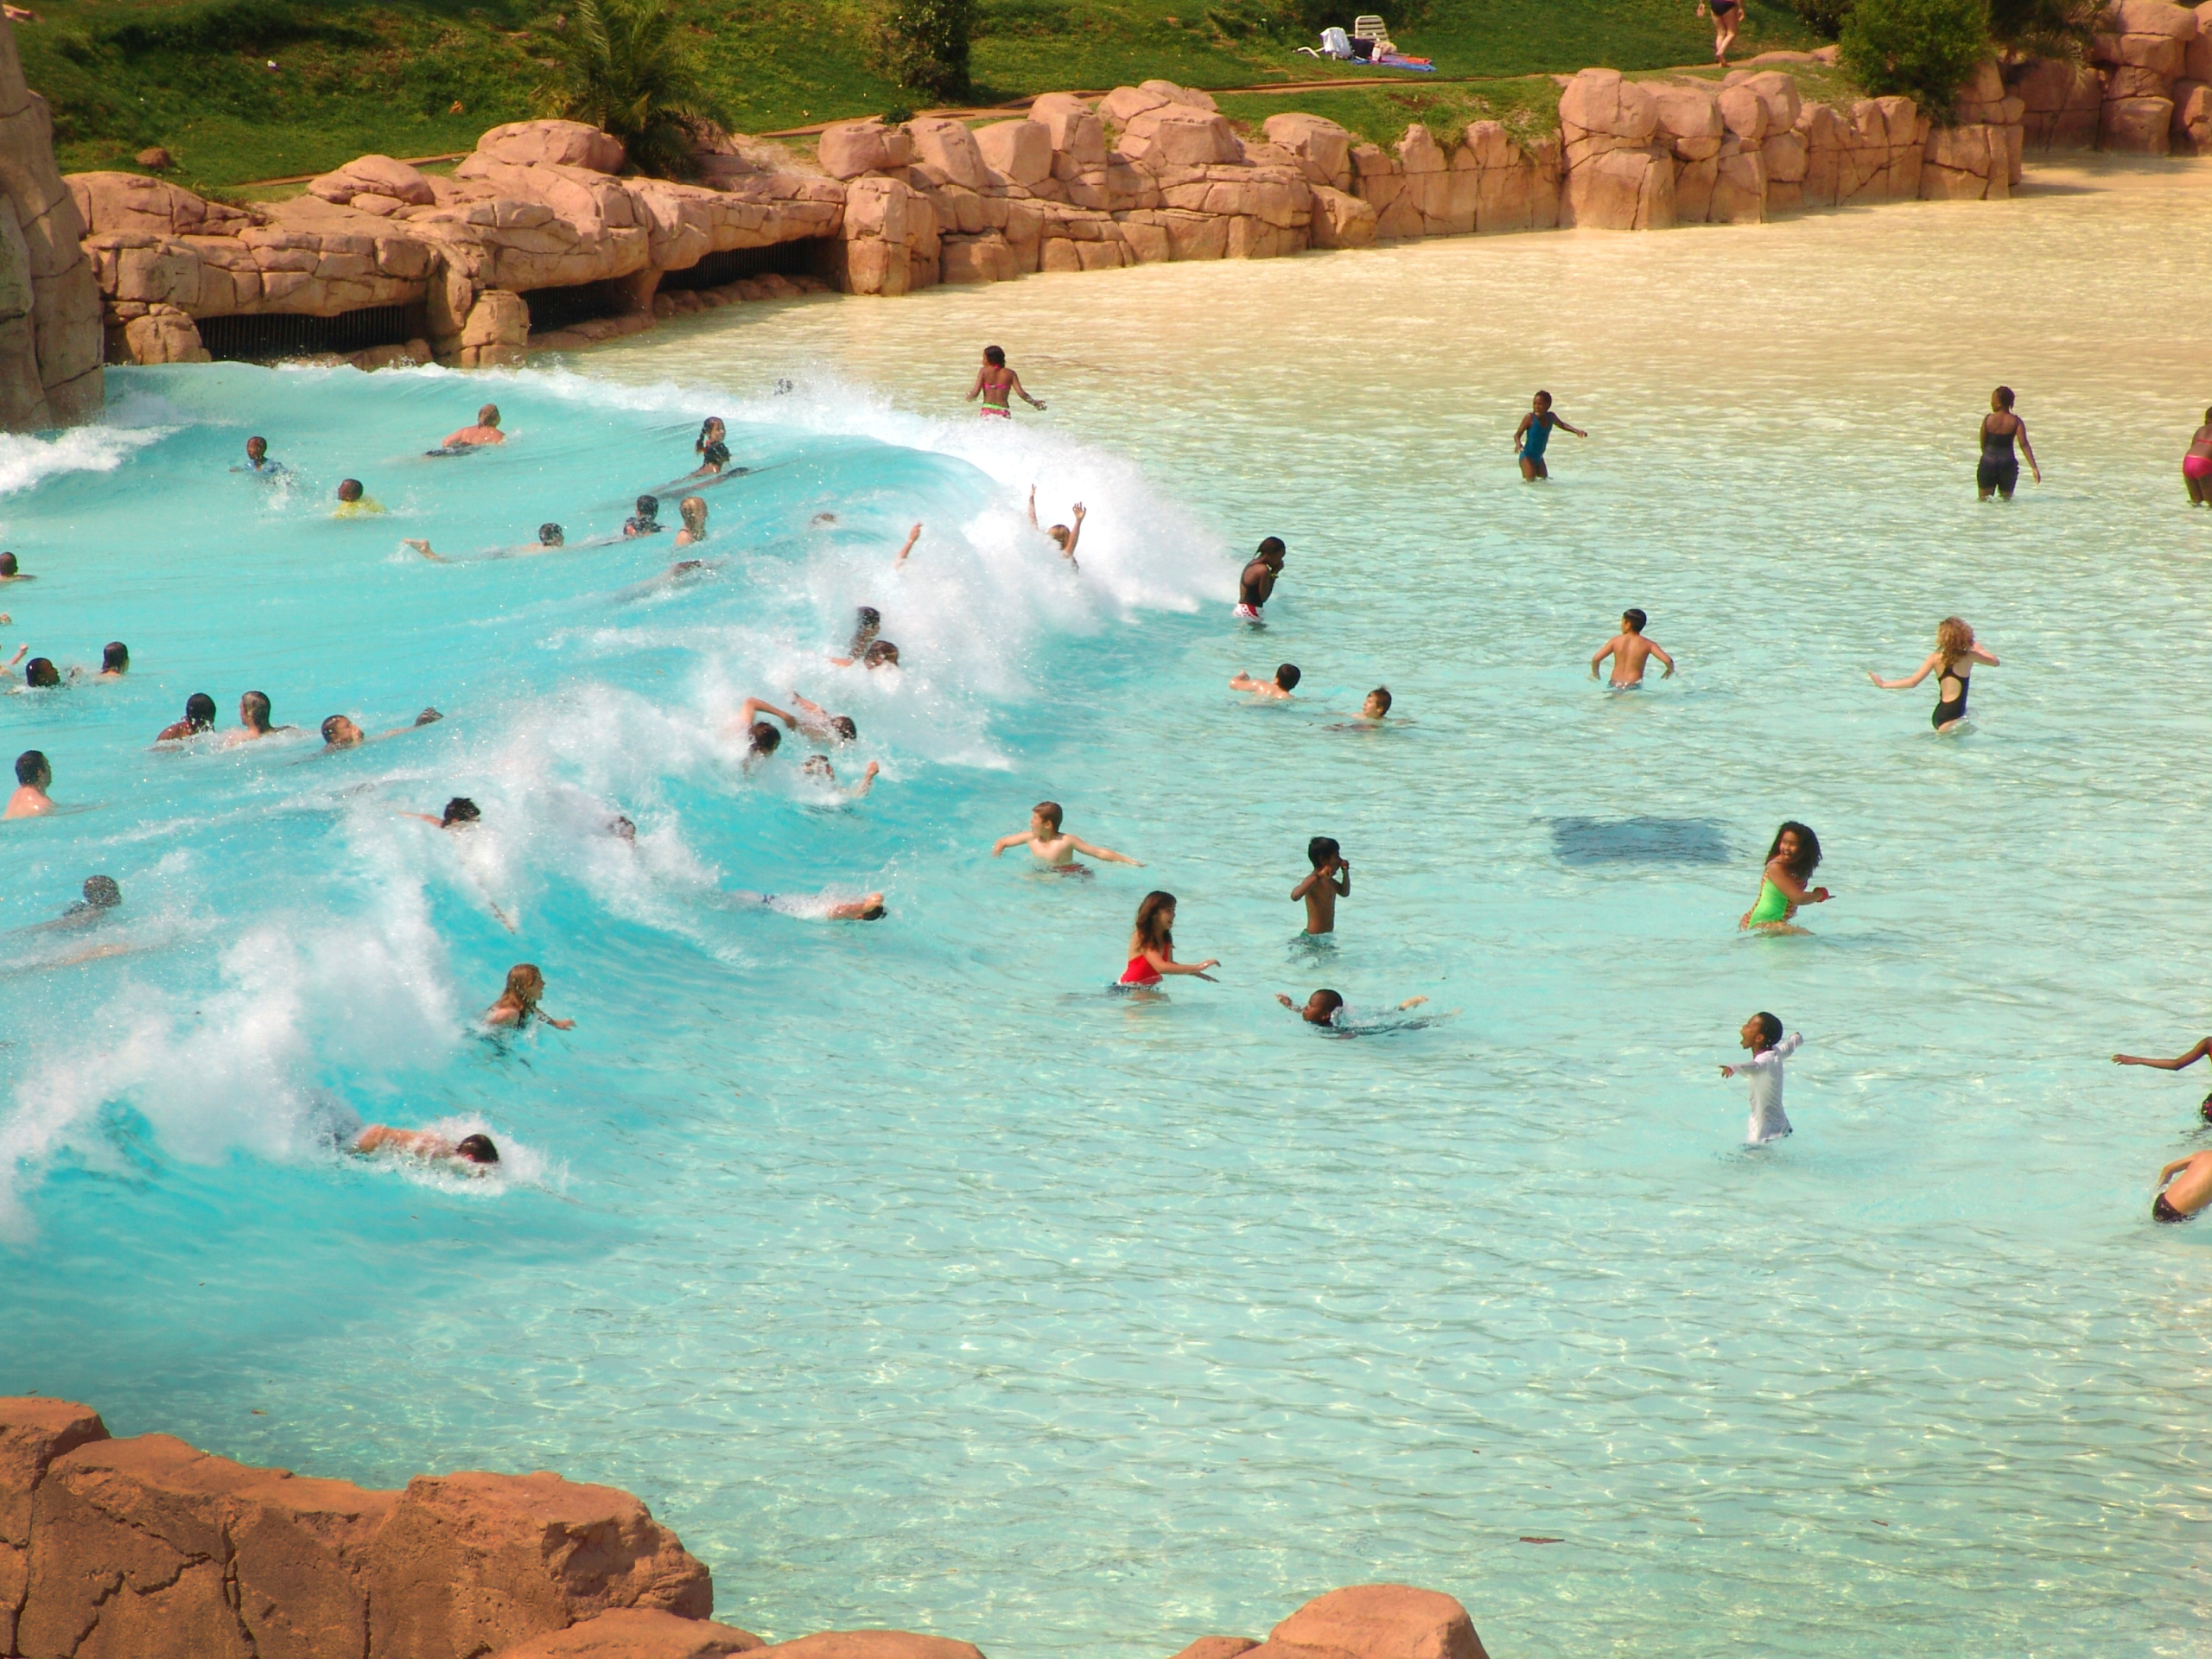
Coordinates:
(918, 1280)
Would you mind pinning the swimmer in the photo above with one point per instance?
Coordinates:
(1630, 651)
(1323, 1008)
(622, 829)
(550, 537)
(709, 446)
(819, 908)
(1152, 945)
(518, 1004)
(1998, 471)
(1535, 432)
(253, 720)
(257, 461)
(1790, 862)
(486, 431)
(1064, 537)
(1374, 710)
(1956, 653)
(340, 733)
(815, 768)
(11, 571)
(880, 653)
(1053, 846)
(1727, 17)
(761, 739)
(33, 777)
(646, 521)
(1285, 682)
(867, 622)
(1761, 1034)
(2196, 465)
(1256, 585)
(1331, 880)
(115, 662)
(198, 716)
(101, 895)
(40, 674)
(475, 1154)
(748, 720)
(352, 502)
(2180, 1063)
(995, 384)
(818, 723)
(2188, 1195)
(913, 536)
(692, 509)
(460, 812)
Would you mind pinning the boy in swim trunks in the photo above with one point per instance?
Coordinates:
(1331, 880)
(2189, 1192)
(995, 383)
(1051, 846)
(1256, 585)
(1535, 432)
(1285, 682)
(1761, 1034)
(1630, 651)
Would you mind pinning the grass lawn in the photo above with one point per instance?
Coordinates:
(424, 77)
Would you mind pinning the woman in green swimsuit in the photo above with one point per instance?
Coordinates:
(1790, 864)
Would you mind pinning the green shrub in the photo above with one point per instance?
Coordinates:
(628, 67)
(1824, 18)
(922, 45)
(2043, 28)
(1923, 49)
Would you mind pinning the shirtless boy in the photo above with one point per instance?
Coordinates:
(1323, 1007)
(1630, 651)
(995, 384)
(1331, 880)
(2189, 1191)
(1051, 845)
(486, 431)
(253, 720)
(33, 778)
(1286, 681)
(1255, 585)
(476, 1153)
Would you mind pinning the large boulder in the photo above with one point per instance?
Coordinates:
(1322, 148)
(377, 175)
(2196, 52)
(1689, 121)
(51, 339)
(2191, 133)
(1383, 1621)
(1218, 1647)
(34, 1432)
(1077, 135)
(848, 149)
(950, 147)
(1178, 135)
(1341, 220)
(1600, 110)
(636, 1633)
(556, 144)
(1021, 150)
(1620, 190)
(2137, 126)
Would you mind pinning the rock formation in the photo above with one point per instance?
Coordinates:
(49, 311)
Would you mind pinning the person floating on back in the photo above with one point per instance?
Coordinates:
(1331, 880)
(1998, 471)
(1054, 847)
(486, 431)
(474, 1153)
(1286, 681)
(1256, 583)
(518, 1004)
(1761, 1034)
(1630, 651)
(1152, 945)
(2196, 465)
(33, 777)
(1956, 653)
(1534, 433)
(1790, 862)
(995, 384)
(352, 502)
(2184, 1196)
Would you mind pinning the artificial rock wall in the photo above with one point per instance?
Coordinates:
(49, 309)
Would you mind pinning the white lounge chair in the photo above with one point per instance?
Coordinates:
(1368, 27)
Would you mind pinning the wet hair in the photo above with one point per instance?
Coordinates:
(1635, 619)
(7, 560)
(873, 914)
(1330, 1002)
(459, 810)
(40, 671)
(256, 438)
(524, 983)
(330, 727)
(1770, 1029)
(477, 1149)
(649, 506)
(867, 622)
(101, 892)
(1287, 676)
(1059, 533)
(1321, 849)
(1808, 848)
(693, 507)
(550, 534)
(880, 652)
(1381, 694)
(995, 356)
(1050, 812)
(2003, 396)
(31, 768)
(1952, 636)
(699, 443)
(817, 764)
(1151, 932)
(622, 829)
(253, 708)
(762, 738)
(115, 656)
(488, 416)
(200, 711)
(1543, 397)
(843, 726)
(349, 489)
(428, 717)
(1273, 545)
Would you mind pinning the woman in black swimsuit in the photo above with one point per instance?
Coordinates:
(1955, 655)
(1727, 17)
(1998, 471)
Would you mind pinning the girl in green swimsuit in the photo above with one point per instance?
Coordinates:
(1790, 864)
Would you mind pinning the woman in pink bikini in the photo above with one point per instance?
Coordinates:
(2196, 465)
(1152, 945)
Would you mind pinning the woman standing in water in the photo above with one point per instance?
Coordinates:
(1790, 865)
(1956, 653)
(1152, 945)
(2196, 465)
(1999, 470)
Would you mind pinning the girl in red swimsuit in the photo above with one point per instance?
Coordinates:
(1152, 945)
(2196, 465)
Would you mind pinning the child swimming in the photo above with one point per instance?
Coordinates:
(1287, 675)
(1630, 651)
(1790, 862)
(1063, 537)
(1054, 847)
(518, 1004)
(475, 1154)
(1954, 654)
(1327, 1007)
(1331, 880)
(1152, 945)
(1761, 1034)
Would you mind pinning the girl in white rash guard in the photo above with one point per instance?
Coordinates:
(1761, 1034)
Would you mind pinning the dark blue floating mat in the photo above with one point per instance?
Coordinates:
(1639, 841)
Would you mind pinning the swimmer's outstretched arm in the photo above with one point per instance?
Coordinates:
(1934, 658)
(424, 548)
(1019, 838)
(866, 782)
(1106, 853)
(557, 1024)
(2182, 1062)
(1564, 427)
(1411, 1002)
(913, 536)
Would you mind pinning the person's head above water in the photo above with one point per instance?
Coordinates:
(476, 1149)
(1272, 552)
(488, 416)
(649, 506)
(1321, 1007)
(40, 671)
(115, 657)
(253, 711)
(1321, 849)
(1798, 848)
(1632, 621)
(549, 534)
(1377, 704)
(1541, 401)
(526, 984)
(1761, 1032)
(101, 892)
(1155, 922)
(762, 738)
(256, 448)
(199, 712)
(881, 654)
(995, 356)
(693, 511)
(1287, 675)
(2001, 398)
(1047, 815)
(341, 732)
(8, 566)
(32, 771)
(1952, 636)
(460, 811)
(349, 489)
(711, 430)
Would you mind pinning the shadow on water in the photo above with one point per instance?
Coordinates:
(1638, 840)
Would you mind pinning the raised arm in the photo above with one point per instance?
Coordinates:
(866, 782)
(1343, 882)
(1305, 887)
(1075, 533)
(913, 536)
(2173, 1169)
(1912, 679)
(21, 651)
(2178, 1064)
(753, 706)
(1032, 505)
(1106, 853)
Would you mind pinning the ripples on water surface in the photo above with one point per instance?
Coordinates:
(916, 1281)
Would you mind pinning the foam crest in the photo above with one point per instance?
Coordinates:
(30, 459)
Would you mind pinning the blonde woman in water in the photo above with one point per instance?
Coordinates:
(1954, 656)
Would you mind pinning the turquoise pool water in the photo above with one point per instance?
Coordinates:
(916, 1280)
